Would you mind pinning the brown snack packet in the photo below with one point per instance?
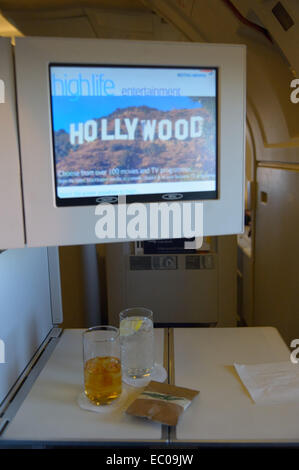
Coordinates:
(162, 402)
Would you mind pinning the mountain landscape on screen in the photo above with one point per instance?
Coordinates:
(134, 158)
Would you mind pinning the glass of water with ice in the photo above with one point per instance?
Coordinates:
(137, 342)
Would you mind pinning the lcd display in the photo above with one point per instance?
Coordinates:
(146, 132)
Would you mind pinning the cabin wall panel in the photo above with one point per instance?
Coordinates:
(25, 309)
(11, 215)
(277, 251)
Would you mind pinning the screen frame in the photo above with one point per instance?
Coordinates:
(146, 197)
(49, 225)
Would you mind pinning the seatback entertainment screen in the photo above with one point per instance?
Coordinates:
(146, 132)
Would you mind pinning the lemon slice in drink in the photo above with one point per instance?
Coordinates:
(128, 327)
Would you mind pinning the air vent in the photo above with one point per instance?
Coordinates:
(282, 16)
(192, 262)
(200, 262)
(140, 263)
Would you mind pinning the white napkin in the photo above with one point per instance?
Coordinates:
(272, 383)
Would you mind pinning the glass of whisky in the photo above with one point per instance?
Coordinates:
(102, 365)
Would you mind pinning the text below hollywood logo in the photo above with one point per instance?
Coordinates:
(138, 221)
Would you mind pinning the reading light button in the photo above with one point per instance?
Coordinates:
(172, 196)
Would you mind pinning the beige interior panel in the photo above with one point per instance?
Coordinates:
(277, 251)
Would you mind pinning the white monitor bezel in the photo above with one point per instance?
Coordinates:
(47, 224)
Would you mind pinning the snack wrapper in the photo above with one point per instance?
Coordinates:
(162, 402)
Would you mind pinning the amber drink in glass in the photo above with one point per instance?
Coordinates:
(102, 366)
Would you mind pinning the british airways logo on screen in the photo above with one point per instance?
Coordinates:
(97, 84)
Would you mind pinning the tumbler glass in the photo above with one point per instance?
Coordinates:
(102, 366)
(137, 342)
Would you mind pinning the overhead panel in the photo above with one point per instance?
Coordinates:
(281, 19)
